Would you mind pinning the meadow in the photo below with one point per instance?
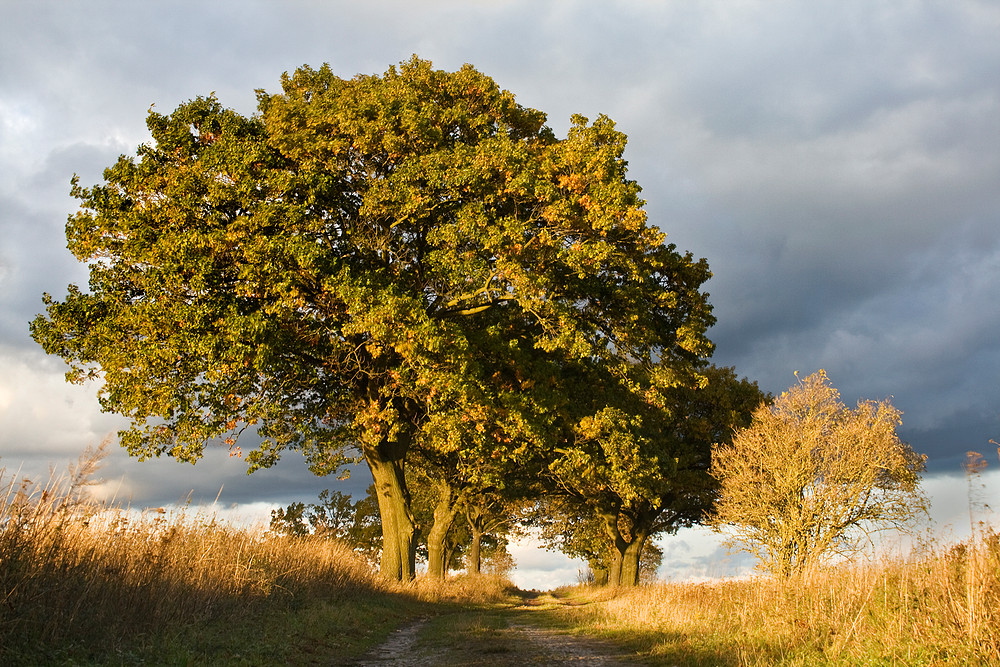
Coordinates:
(934, 608)
(86, 584)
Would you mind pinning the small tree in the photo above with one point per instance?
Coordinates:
(489, 520)
(584, 535)
(640, 466)
(337, 517)
(809, 474)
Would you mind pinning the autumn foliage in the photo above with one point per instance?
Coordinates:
(810, 476)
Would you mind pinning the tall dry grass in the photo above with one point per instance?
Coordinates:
(942, 607)
(80, 579)
(76, 573)
(464, 589)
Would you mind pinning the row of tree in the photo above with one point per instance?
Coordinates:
(602, 500)
(800, 483)
(410, 270)
(477, 542)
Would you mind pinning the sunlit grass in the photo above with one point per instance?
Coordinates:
(81, 582)
(73, 574)
(939, 608)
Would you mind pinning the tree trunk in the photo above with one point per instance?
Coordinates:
(623, 569)
(615, 568)
(475, 560)
(476, 516)
(630, 561)
(449, 555)
(444, 516)
(600, 572)
(619, 545)
(398, 532)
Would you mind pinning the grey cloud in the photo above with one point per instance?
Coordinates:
(164, 481)
(836, 162)
(47, 424)
(796, 71)
(865, 247)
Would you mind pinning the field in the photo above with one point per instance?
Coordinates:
(84, 585)
(81, 584)
(938, 609)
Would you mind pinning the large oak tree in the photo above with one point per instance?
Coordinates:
(367, 265)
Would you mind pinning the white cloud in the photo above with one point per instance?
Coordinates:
(42, 415)
(540, 569)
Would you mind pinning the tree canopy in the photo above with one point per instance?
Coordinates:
(375, 265)
(638, 463)
(810, 475)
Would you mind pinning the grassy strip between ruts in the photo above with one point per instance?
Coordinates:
(473, 634)
(508, 634)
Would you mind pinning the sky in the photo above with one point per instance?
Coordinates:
(836, 161)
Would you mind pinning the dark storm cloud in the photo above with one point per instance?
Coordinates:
(34, 205)
(838, 169)
(220, 476)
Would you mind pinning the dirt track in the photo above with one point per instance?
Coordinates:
(494, 638)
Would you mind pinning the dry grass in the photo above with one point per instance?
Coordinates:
(941, 608)
(79, 579)
(482, 589)
(84, 583)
